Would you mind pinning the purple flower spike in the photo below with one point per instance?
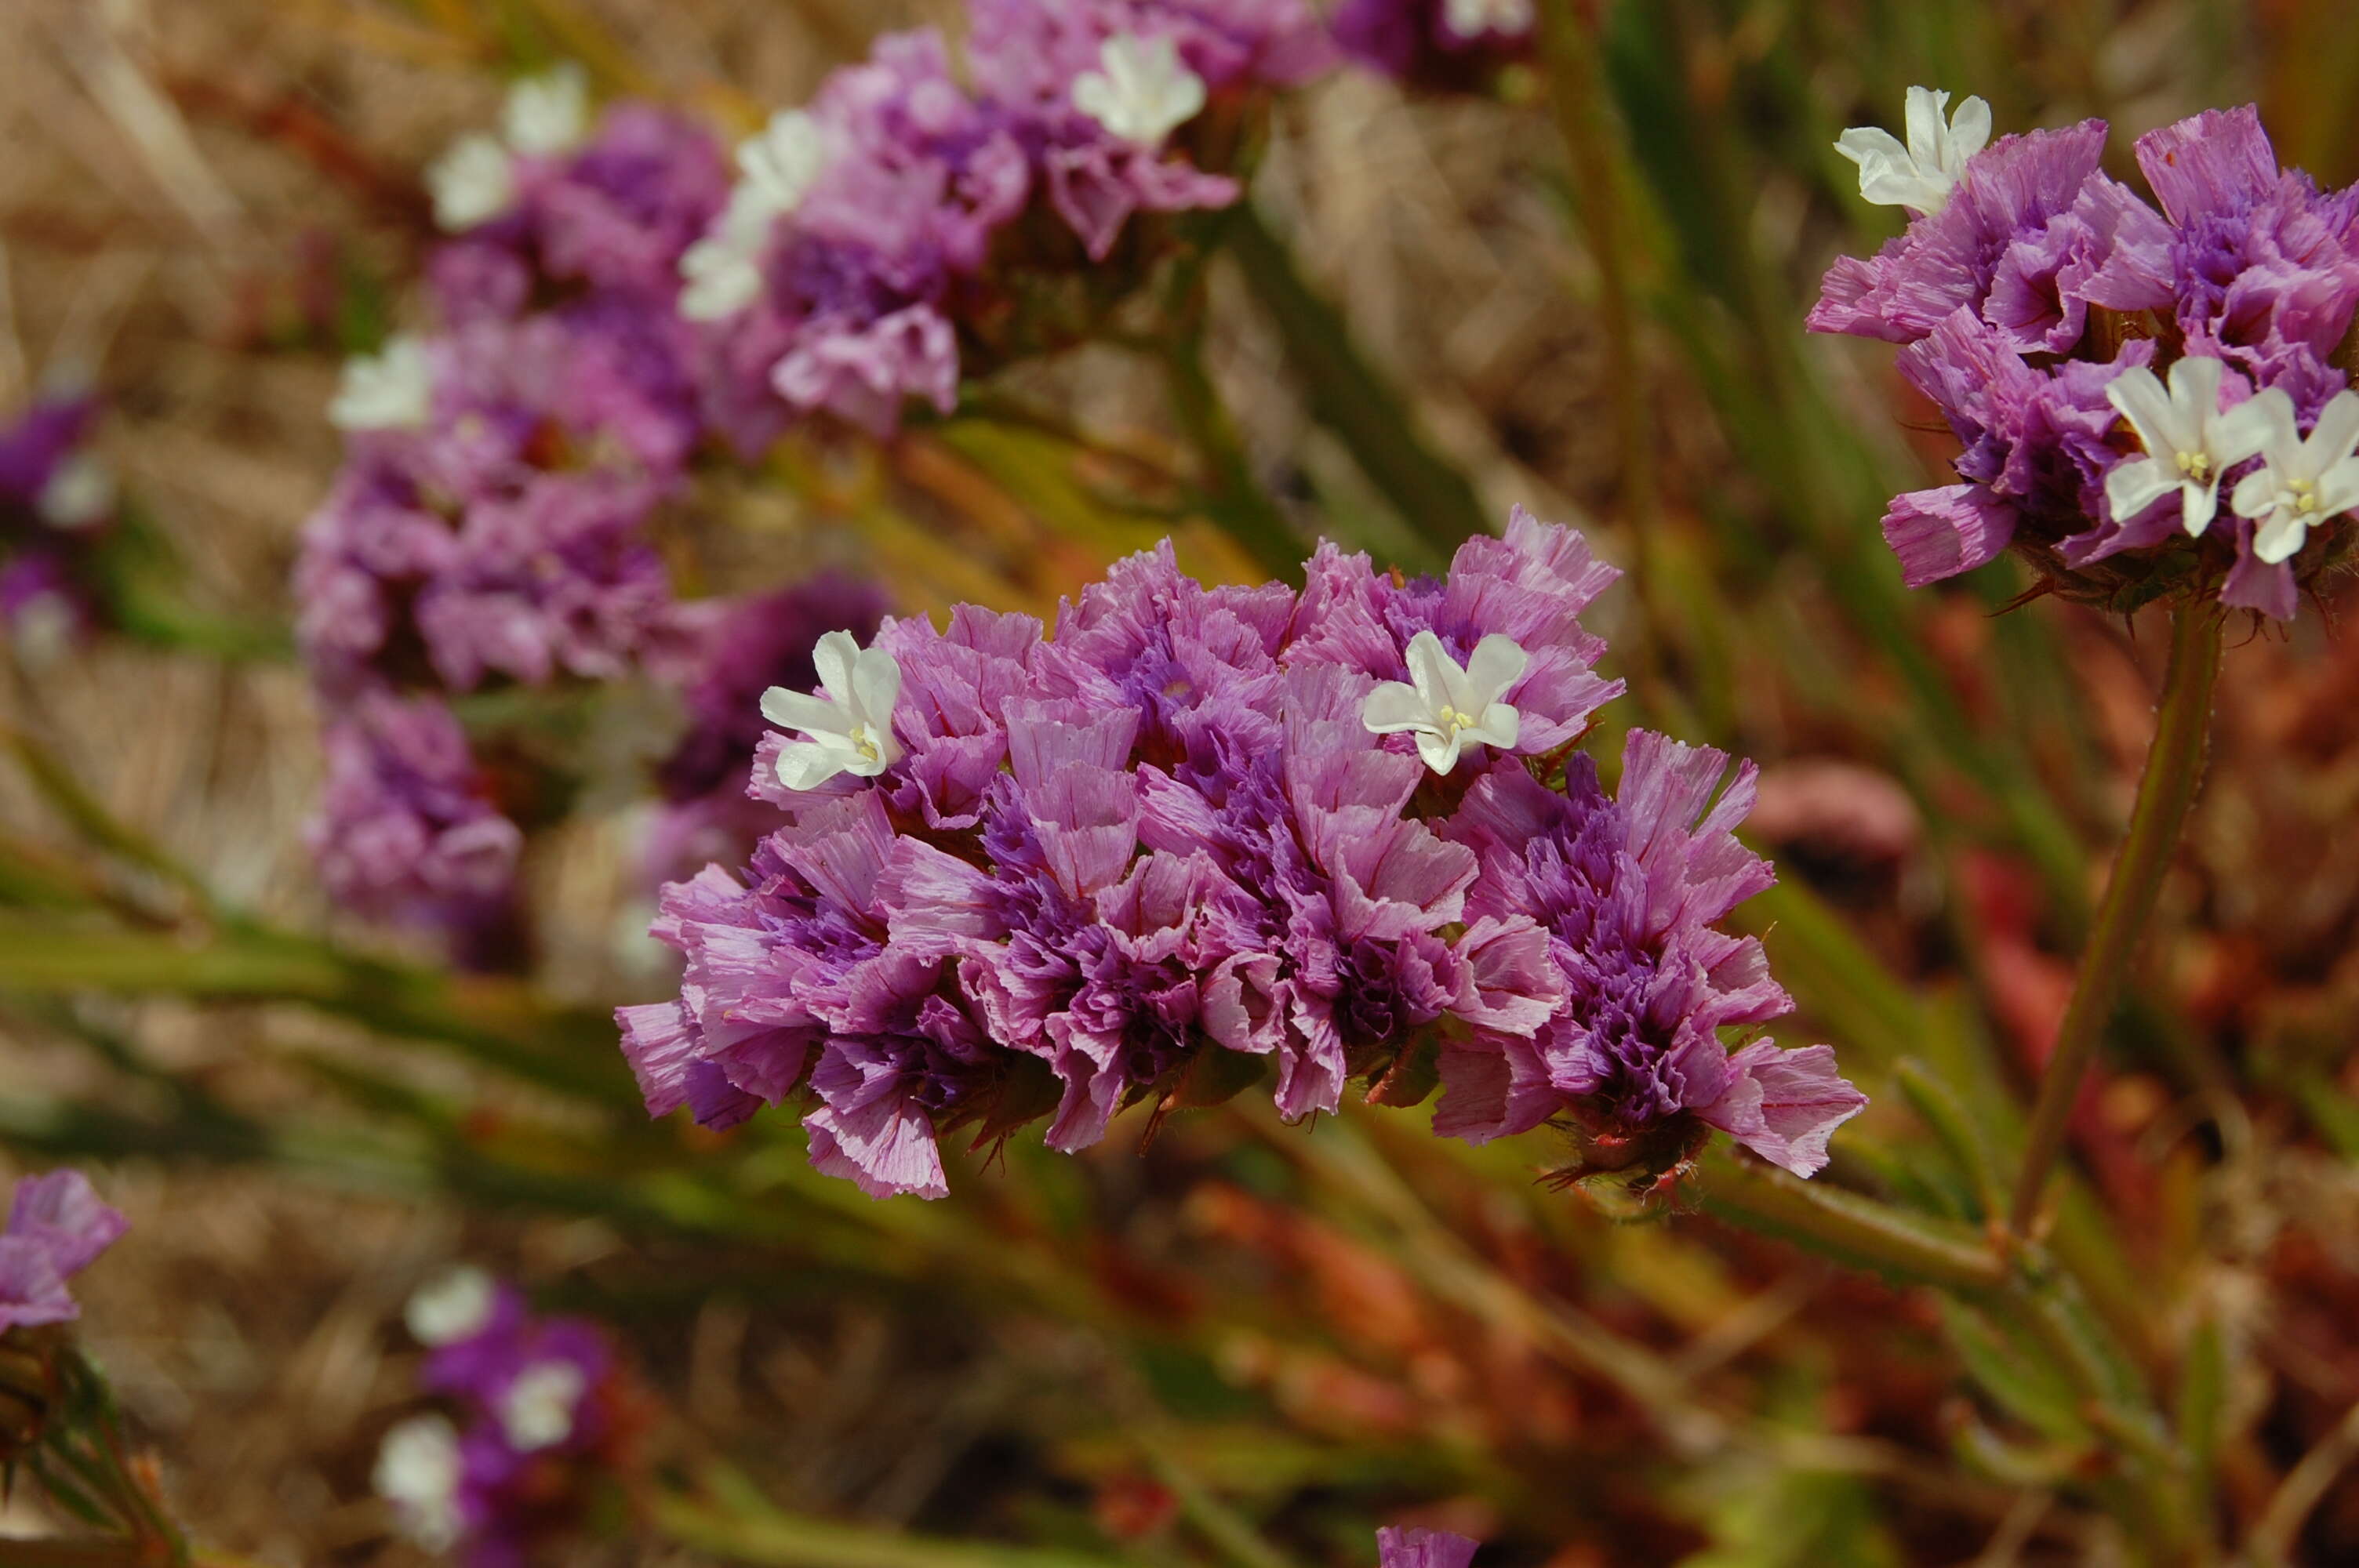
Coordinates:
(1052, 878)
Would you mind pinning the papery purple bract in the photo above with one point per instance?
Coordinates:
(57, 1227)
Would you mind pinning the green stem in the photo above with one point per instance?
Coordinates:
(1848, 1228)
(792, 1541)
(1348, 395)
(2174, 767)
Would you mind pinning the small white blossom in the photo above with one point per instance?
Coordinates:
(418, 1472)
(1449, 708)
(780, 163)
(537, 1411)
(547, 114)
(80, 492)
(723, 271)
(393, 389)
(450, 1306)
(851, 729)
(1473, 19)
(2189, 442)
(1921, 174)
(472, 183)
(2300, 484)
(1141, 91)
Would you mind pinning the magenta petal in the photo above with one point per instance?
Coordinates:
(64, 1213)
(1784, 1105)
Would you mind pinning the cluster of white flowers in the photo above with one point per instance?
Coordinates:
(1921, 175)
(475, 180)
(776, 169)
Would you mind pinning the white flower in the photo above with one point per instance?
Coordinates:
(2300, 484)
(418, 1472)
(779, 164)
(450, 1306)
(723, 270)
(1141, 91)
(472, 183)
(393, 389)
(537, 1411)
(2189, 442)
(1921, 174)
(1473, 19)
(546, 114)
(852, 733)
(80, 492)
(1447, 708)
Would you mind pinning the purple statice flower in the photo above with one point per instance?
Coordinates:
(1629, 890)
(610, 213)
(1414, 1548)
(1181, 840)
(56, 499)
(490, 517)
(406, 827)
(1443, 45)
(57, 1227)
(543, 1415)
(2041, 303)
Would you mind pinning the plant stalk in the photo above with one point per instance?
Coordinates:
(2174, 768)
(1853, 1229)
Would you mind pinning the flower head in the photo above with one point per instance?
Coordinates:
(457, 1305)
(1473, 19)
(851, 730)
(1449, 707)
(537, 1411)
(1414, 1548)
(1921, 175)
(2302, 482)
(1141, 91)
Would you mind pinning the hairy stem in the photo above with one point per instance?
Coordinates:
(2174, 767)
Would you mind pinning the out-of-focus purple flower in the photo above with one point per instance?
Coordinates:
(57, 1227)
(1629, 892)
(1117, 865)
(405, 827)
(1414, 1548)
(2029, 303)
(56, 497)
(545, 1419)
(1445, 44)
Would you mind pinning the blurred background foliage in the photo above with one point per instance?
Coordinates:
(1235, 1343)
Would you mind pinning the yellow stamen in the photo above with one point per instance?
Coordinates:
(2196, 466)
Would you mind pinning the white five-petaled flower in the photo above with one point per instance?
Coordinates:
(1142, 90)
(1445, 707)
(537, 1411)
(417, 1471)
(1473, 19)
(546, 114)
(2189, 443)
(450, 1306)
(723, 271)
(472, 183)
(1921, 174)
(851, 729)
(392, 389)
(2300, 484)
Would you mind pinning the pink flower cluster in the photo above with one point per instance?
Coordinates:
(1167, 851)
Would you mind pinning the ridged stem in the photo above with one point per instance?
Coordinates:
(2174, 768)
